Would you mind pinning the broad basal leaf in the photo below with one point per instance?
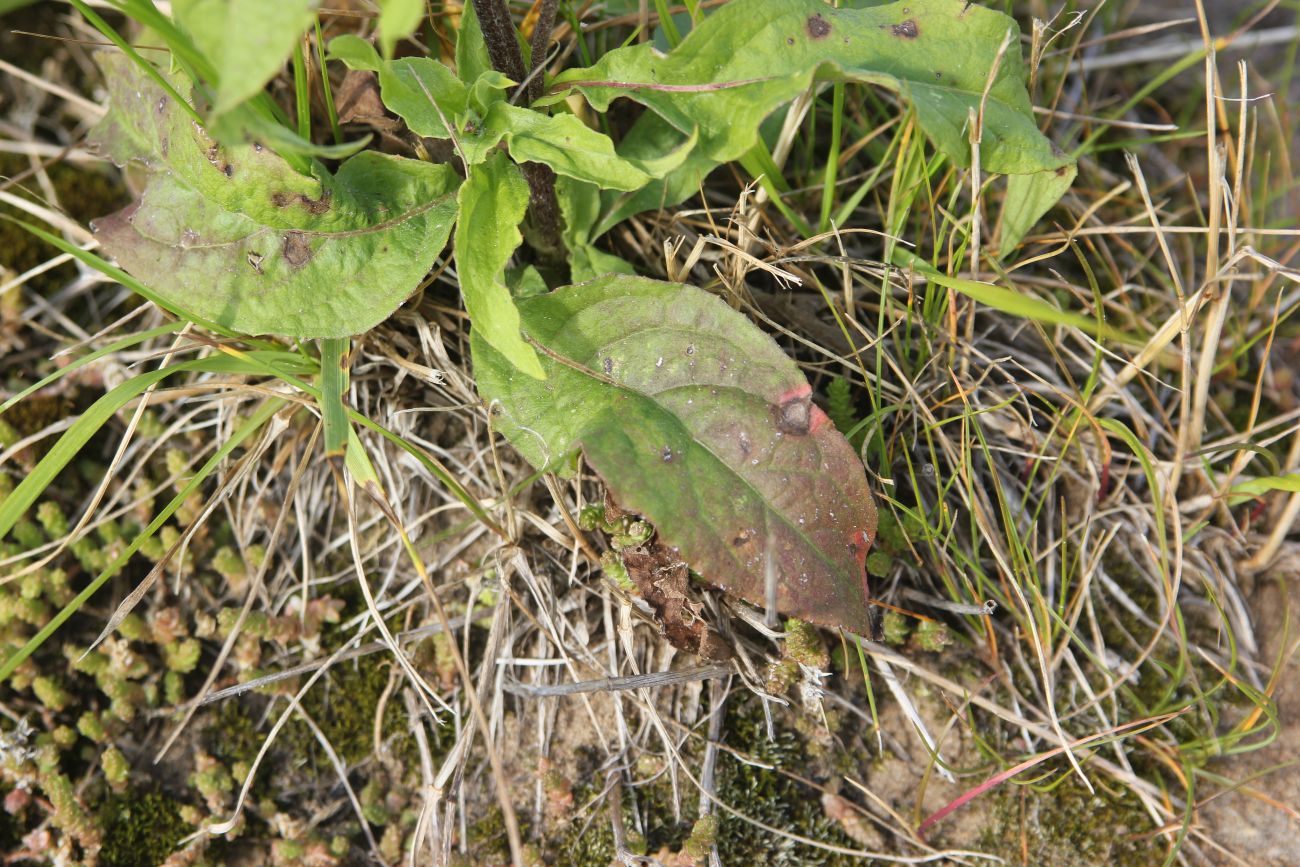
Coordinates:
(751, 56)
(246, 41)
(236, 236)
(697, 420)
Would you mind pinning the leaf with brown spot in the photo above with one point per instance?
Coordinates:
(750, 57)
(234, 235)
(697, 420)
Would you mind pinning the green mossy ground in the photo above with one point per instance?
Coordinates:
(140, 829)
(1068, 826)
(765, 795)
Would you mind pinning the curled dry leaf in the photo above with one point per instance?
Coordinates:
(696, 419)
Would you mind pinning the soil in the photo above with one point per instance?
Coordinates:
(1259, 821)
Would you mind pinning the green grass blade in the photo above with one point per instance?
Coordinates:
(74, 438)
(1015, 303)
(832, 157)
(330, 111)
(1252, 488)
(103, 267)
(301, 92)
(91, 358)
(333, 384)
(435, 467)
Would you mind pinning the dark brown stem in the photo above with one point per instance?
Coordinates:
(541, 42)
(499, 34)
(503, 50)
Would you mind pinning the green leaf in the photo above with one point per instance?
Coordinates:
(398, 19)
(236, 236)
(1015, 303)
(580, 207)
(423, 92)
(247, 41)
(471, 50)
(492, 204)
(1252, 488)
(751, 56)
(587, 262)
(697, 420)
(649, 136)
(487, 90)
(356, 52)
(1028, 198)
(573, 149)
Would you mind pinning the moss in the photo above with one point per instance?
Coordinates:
(345, 708)
(588, 840)
(704, 834)
(896, 628)
(182, 656)
(51, 693)
(770, 797)
(232, 736)
(931, 636)
(140, 829)
(92, 727)
(68, 813)
(804, 645)
(765, 795)
(1067, 825)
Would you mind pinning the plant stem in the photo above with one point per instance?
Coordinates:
(541, 41)
(499, 34)
(503, 50)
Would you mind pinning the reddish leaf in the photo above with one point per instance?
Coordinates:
(697, 420)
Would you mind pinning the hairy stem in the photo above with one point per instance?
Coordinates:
(541, 41)
(499, 34)
(503, 50)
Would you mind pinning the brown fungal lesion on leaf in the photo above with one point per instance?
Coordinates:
(794, 416)
(817, 26)
(297, 249)
(906, 29)
(216, 156)
(315, 207)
